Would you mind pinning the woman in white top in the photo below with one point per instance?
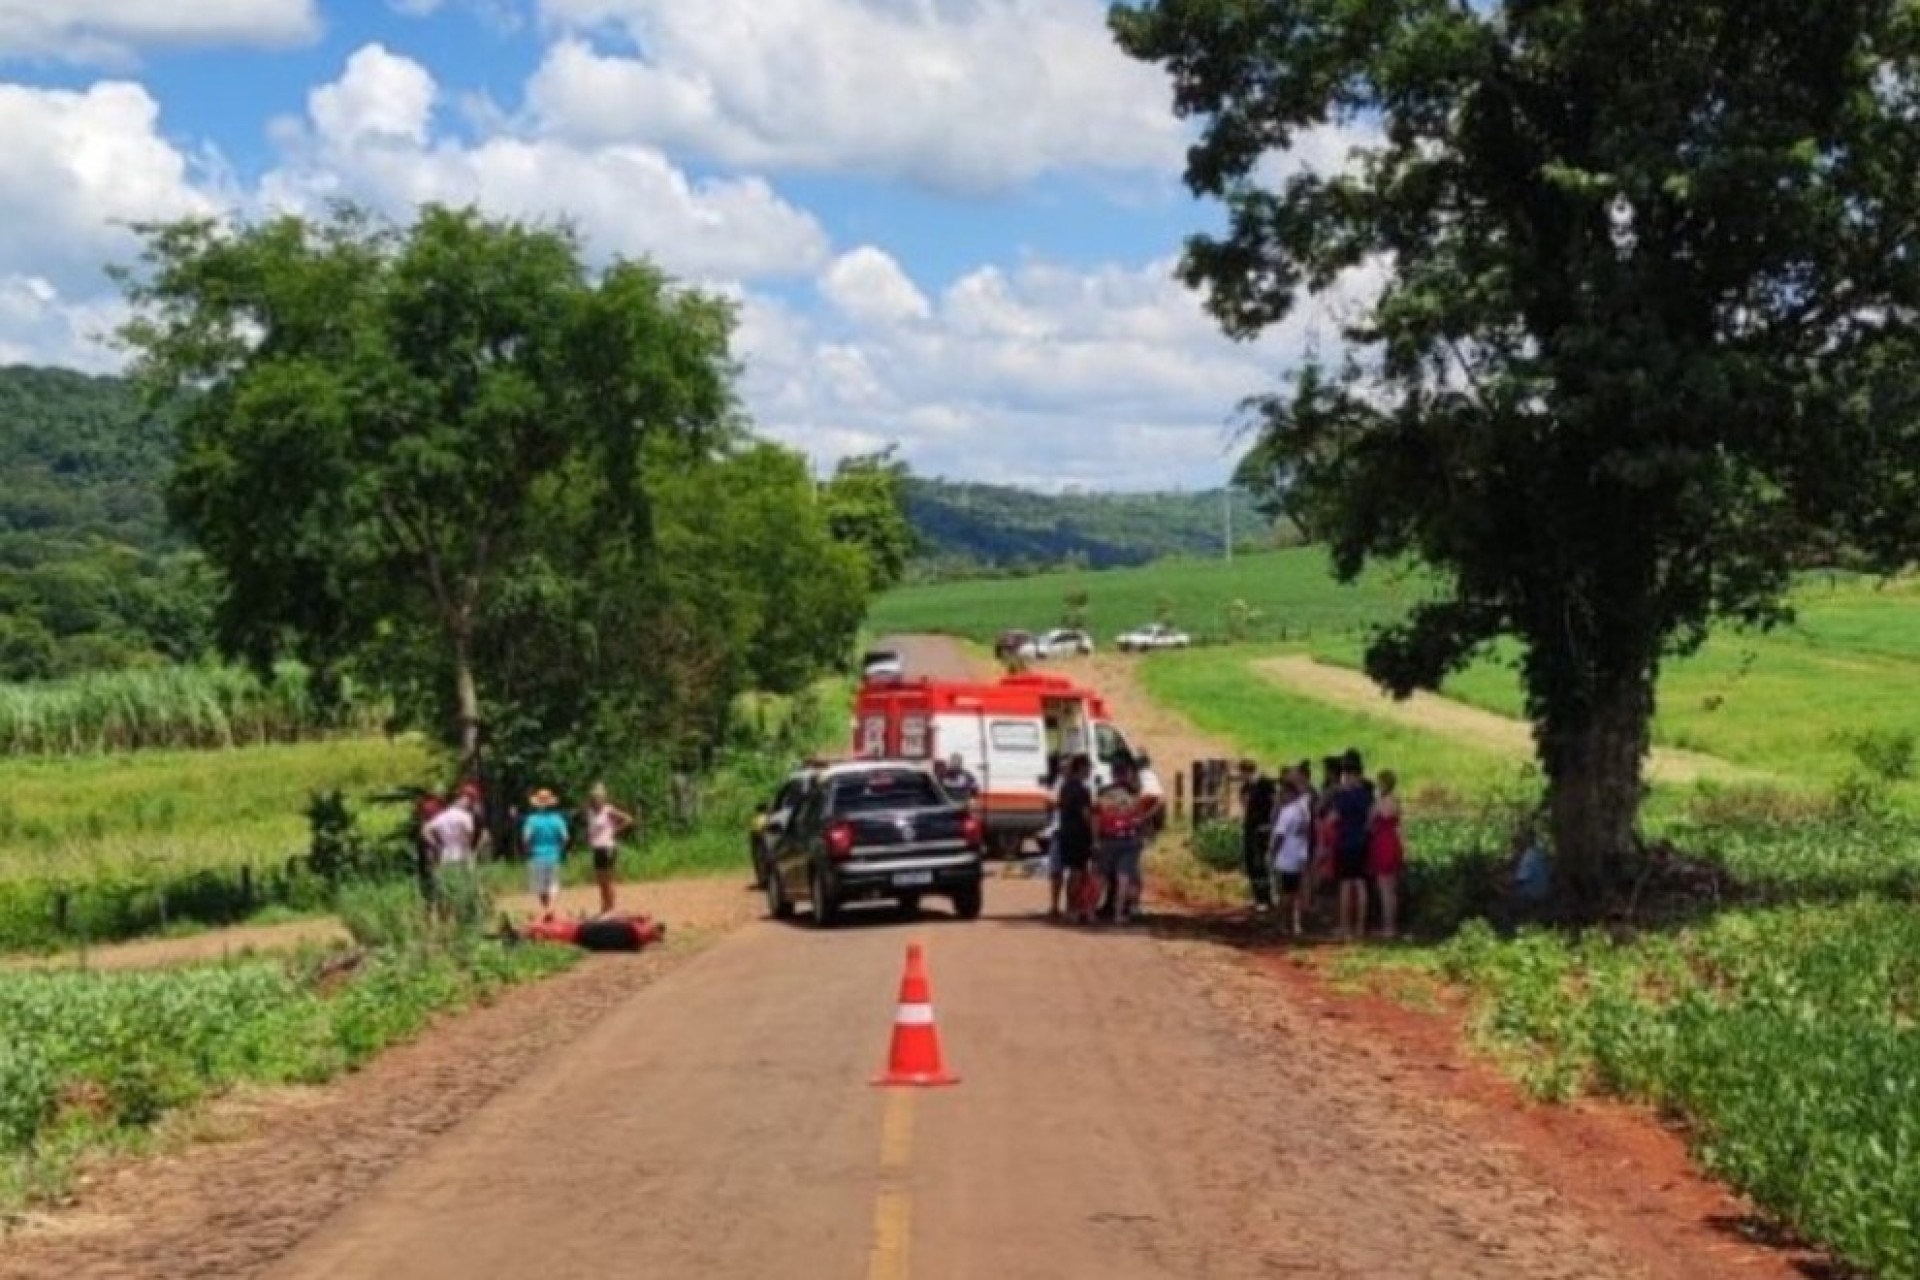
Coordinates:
(1292, 848)
(604, 825)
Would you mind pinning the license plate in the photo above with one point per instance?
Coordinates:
(904, 879)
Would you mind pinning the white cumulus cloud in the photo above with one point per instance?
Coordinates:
(1035, 374)
(113, 31)
(381, 98)
(368, 135)
(960, 95)
(868, 285)
(77, 167)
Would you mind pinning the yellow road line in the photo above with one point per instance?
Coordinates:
(893, 1210)
(896, 1131)
(892, 1233)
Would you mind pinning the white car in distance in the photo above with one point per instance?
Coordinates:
(1061, 642)
(1156, 635)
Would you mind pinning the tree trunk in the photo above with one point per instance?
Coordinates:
(1594, 791)
(466, 705)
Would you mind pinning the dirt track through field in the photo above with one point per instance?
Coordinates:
(1134, 1103)
(1468, 725)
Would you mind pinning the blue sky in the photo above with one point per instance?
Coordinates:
(949, 224)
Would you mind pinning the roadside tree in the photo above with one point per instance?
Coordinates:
(866, 504)
(1644, 278)
(380, 428)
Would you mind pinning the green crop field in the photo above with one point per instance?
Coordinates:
(93, 1060)
(1287, 595)
(1793, 704)
(103, 847)
(72, 818)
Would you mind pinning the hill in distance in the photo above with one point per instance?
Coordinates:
(968, 529)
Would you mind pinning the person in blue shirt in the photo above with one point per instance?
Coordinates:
(544, 835)
(1532, 873)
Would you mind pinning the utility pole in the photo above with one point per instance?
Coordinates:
(1227, 493)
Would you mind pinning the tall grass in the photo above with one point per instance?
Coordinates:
(104, 847)
(168, 707)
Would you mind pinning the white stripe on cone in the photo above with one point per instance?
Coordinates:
(913, 1015)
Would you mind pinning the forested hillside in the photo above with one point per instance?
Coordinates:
(89, 577)
(977, 528)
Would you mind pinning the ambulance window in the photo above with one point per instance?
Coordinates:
(873, 736)
(1014, 735)
(1111, 743)
(913, 737)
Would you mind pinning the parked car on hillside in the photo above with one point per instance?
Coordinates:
(1062, 642)
(1156, 635)
(876, 829)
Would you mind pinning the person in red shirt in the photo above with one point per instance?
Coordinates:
(1122, 817)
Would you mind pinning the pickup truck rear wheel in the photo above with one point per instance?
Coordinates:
(777, 905)
(824, 909)
(966, 902)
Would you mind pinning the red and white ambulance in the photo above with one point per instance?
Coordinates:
(1012, 734)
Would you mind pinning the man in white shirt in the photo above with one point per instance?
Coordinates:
(450, 833)
(1292, 848)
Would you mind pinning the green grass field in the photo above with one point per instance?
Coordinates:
(1291, 596)
(1791, 703)
(1218, 690)
(69, 818)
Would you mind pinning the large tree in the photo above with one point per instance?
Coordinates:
(1647, 324)
(866, 505)
(380, 426)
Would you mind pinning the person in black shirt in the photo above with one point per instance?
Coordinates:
(1258, 794)
(1076, 837)
(1352, 806)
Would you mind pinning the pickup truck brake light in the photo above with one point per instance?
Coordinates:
(840, 841)
(973, 831)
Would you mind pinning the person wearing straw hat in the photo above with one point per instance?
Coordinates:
(545, 836)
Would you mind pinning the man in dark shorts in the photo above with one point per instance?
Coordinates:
(1258, 795)
(1352, 804)
(1076, 836)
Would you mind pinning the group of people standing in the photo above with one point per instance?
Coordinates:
(1344, 833)
(453, 838)
(1099, 838)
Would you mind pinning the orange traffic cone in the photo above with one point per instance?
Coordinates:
(915, 1056)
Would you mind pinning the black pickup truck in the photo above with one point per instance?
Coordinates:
(882, 829)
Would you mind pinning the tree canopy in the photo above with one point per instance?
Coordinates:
(866, 505)
(431, 451)
(1645, 325)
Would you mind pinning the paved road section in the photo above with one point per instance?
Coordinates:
(1112, 1121)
